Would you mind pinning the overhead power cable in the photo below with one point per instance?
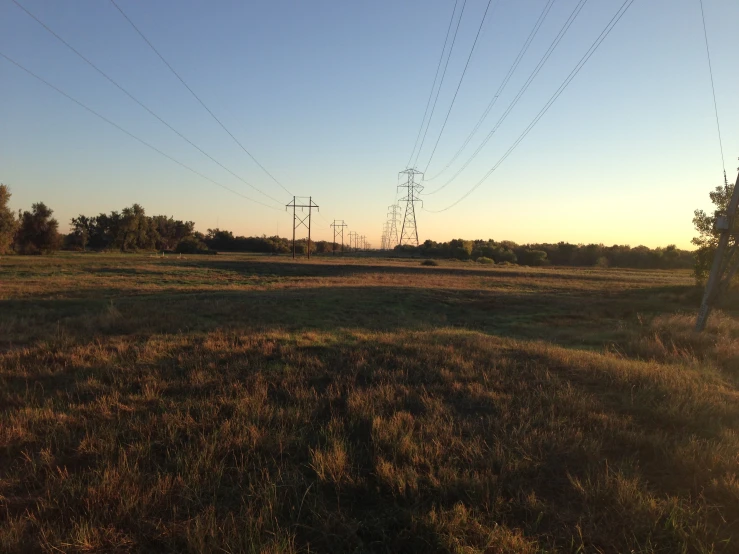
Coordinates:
(613, 22)
(198, 98)
(459, 85)
(433, 85)
(509, 74)
(552, 47)
(713, 90)
(157, 150)
(441, 82)
(139, 102)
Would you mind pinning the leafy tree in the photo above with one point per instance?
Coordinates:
(191, 245)
(8, 222)
(82, 228)
(531, 257)
(707, 239)
(136, 231)
(38, 231)
(171, 231)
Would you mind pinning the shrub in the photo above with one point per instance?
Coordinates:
(485, 260)
(191, 245)
(429, 262)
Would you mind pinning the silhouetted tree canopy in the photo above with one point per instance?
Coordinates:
(38, 231)
(707, 239)
(8, 221)
(560, 254)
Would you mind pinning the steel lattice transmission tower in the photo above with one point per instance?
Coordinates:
(393, 219)
(385, 240)
(413, 186)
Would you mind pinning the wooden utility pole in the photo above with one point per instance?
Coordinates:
(298, 221)
(725, 265)
(338, 226)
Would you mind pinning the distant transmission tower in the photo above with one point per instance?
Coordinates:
(338, 232)
(353, 240)
(413, 186)
(301, 220)
(393, 219)
(385, 244)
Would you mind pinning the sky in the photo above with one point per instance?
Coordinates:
(329, 97)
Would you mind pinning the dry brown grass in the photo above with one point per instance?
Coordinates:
(243, 404)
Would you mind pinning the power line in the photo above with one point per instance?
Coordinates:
(713, 90)
(441, 82)
(157, 150)
(197, 97)
(144, 106)
(614, 21)
(503, 84)
(459, 85)
(433, 85)
(570, 20)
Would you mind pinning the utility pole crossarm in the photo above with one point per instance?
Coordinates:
(304, 220)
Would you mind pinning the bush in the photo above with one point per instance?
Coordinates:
(191, 245)
(429, 262)
(484, 260)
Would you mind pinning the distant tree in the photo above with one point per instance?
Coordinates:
(527, 256)
(82, 228)
(38, 231)
(191, 245)
(136, 231)
(170, 231)
(707, 239)
(8, 221)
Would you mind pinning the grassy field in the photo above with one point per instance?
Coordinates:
(257, 404)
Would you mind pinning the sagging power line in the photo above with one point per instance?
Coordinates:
(598, 41)
(142, 141)
(139, 102)
(459, 85)
(441, 82)
(545, 57)
(713, 91)
(511, 70)
(200, 101)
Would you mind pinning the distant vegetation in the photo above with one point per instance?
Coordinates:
(561, 254)
(130, 229)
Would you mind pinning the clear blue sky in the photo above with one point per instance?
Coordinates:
(329, 96)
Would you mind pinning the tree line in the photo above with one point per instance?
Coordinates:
(37, 232)
(129, 230)
(561, 254)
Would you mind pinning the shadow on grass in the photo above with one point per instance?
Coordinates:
(492, 432)
(334, 268)
(578, 317)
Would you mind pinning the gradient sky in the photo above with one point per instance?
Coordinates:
(329, 96)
